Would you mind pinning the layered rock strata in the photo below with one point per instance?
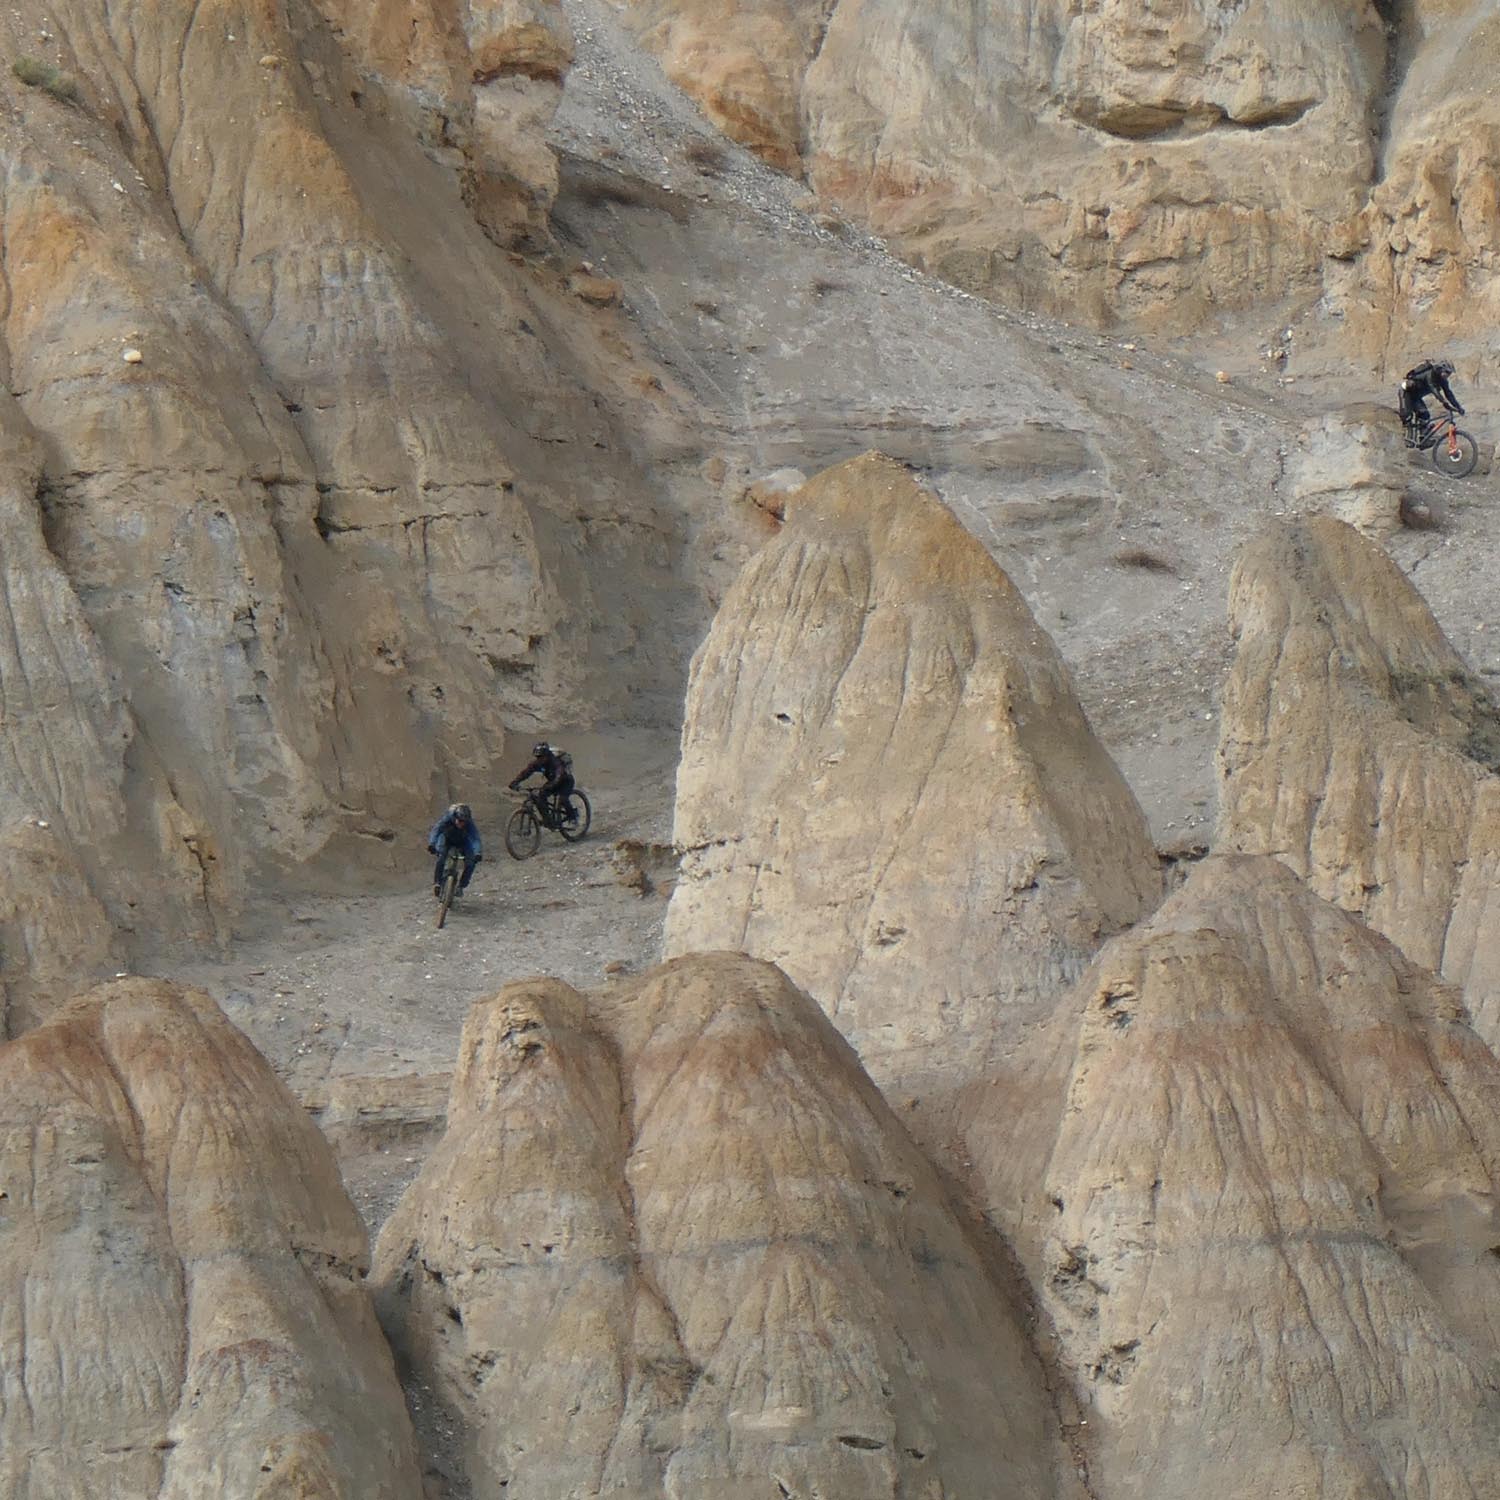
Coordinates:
(674, 1242)
(888, 787)
(183, 1309)
(1265, 1224)
(1360, 750)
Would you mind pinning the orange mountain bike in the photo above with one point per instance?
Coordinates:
(1454, 452)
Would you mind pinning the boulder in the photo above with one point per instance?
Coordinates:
(1352, 464)
(675, 1243)
(888, 786)
(1358, 748)
(183, 1309)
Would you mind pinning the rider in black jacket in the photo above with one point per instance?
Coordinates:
(557, 766)
(1430, 378)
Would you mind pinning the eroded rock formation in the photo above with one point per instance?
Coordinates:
(182, 1311)
(1359, 749)
(888, 787)
(1089, 158)
(674, 1242)
(1266, 1219)
(301, 485)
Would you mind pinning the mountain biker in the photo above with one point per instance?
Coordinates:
(456, 829)
(1430, 378)
(557, 766)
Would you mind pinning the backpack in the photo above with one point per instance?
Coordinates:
(564, 760)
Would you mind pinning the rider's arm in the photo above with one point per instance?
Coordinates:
(521, 776)
(1446, 396)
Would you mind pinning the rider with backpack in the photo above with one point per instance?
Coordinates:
(1430, 378)
(557, 766)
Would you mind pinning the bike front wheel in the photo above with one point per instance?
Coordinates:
(1455, 456)
(576, 803)
(446, 895)
(523, 834)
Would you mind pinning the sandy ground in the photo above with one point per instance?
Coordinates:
(358, 1001)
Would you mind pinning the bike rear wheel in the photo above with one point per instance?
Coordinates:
(523, 834)
(576, 802)
(1455, 456)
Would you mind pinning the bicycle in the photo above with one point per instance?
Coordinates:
(1454, 452)
(453, 870)
(523, 833)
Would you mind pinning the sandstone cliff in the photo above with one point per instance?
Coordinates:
(182, 1312)
(674, 1242)
(304, 487)
(1265, 1224)
(1177, 169)
(888, 787)
(1360, 750)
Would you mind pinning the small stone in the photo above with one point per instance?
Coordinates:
(132, 356)
(270, 60)
(1222, 376)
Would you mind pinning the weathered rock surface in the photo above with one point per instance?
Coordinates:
(1088, 158)
(306, 558)
(1360, 750)
(674, 1242)
(1352, 464)
(183, 1312)
(1265, 1229)
(888, 787)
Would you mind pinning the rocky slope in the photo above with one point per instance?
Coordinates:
(674, 1242)
(875, 689)
(183, 1310)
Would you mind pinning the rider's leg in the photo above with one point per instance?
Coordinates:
(437, 871)
(470, 860)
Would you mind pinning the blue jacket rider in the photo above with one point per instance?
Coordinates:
(456, 829)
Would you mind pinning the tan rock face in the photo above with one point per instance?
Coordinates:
(888, 787)
(1359, 749)
(282, 582)
(1270, 1199)
(1352, 464)
(182, 1311)
(481, 77)
(674, 1242)
(1093, 158)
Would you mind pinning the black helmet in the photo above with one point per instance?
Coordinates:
(460, 810)
(540, 748)
(1445, 367)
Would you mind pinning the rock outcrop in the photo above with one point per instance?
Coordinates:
(1266, 1223)
(1084, 158)
(1360, 750)
(888, 786)
(304, 485)
(183, 1311)
(674, 1242)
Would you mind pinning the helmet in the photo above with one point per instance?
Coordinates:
(460, 810)
(1444, 366)
(541, 748)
